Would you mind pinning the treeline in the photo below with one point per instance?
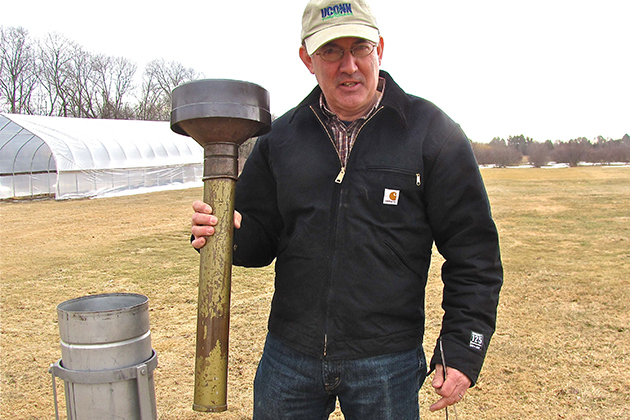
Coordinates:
(520, 149)
(55, 76)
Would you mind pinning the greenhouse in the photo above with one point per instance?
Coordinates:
(76, 158)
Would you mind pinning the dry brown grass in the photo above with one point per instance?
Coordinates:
(561, 350)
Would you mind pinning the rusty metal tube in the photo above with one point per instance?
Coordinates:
(220, 115)
(215, 273)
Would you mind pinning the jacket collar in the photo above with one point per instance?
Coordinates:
(394, 98)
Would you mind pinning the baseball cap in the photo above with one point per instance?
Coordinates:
(327, 20)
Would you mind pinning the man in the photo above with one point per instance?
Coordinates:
(347, 194)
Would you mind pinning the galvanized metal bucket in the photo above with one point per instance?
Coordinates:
(107, 361)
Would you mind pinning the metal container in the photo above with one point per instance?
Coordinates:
(107, 361)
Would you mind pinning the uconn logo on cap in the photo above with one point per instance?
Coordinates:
(336, 11)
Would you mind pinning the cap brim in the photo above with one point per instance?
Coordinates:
(324, 36)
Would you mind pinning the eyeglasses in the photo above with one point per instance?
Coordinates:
(333, 53)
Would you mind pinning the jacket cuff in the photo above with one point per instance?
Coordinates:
(466, 360)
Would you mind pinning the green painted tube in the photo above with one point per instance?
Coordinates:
(215, 274)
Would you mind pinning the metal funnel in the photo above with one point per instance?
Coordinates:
(215, 110)
(220, 115)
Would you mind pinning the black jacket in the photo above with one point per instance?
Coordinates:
(352, 256)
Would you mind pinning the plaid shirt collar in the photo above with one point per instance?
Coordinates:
(344, 135)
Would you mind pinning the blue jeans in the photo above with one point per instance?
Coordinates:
(290, 385)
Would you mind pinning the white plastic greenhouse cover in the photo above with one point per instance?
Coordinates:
(75, 158)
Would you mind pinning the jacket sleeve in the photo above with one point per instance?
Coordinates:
(256, 242)
(466, 236)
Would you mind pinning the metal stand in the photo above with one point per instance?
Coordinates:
(140, 373)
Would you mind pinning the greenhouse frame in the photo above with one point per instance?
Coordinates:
(76, 158)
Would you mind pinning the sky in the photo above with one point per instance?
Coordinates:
(546, 69)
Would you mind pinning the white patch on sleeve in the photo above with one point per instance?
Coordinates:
(476, 340)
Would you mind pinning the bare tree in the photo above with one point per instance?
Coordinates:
(483, 153)
(17, 70)
(159, 80)
(572, 152)
(539, 153)
(56, 76)
(55, 61)
(79, 84)
(83, 92)
(114, 82)
(504, 155)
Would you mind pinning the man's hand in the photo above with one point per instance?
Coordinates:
(452, 389)
(203, 223)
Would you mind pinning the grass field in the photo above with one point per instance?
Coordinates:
(561, 351)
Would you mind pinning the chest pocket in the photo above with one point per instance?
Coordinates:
(407, 176)
(396, 183)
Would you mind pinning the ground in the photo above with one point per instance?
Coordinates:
(561, 350)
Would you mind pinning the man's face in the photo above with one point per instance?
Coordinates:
(349, 84)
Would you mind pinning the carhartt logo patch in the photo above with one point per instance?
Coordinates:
(391, 197)
(476, 340)
(338, 10)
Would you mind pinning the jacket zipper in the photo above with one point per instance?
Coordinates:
(338, 180)
(342, 171)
